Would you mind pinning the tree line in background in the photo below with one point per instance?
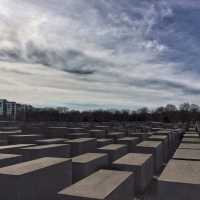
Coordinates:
(169, 113)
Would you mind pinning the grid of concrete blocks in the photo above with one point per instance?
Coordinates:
(107, 161)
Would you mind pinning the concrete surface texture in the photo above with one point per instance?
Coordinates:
(104, 184)
(180, 181)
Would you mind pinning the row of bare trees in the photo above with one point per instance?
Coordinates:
(169, 113)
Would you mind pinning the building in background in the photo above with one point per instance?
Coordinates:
(12, 111)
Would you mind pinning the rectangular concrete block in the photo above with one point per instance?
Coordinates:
(9, 159)
(187, 154)
(77, 135)
(12, 149)
(189, 146)
(87, 163)
(97, 133)
(141, 165)
(104, 185)
(114, 151)
(23, 139)
(191, 140)
(180, 180)
(82, 145)
(51, 141)
(141, 136)
(116, 135)
(165, 141)
(37, 179)
(103, 142)
(49, 150)
(156, 149)
(131, 142)
(55, 132)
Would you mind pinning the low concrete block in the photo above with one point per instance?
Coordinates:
(116, 135)
(82, 145)
(104, 184)
(191, 140)
(51, 141)
(97, 133)
(189, 146)
(141, 136)
(77, 135)
(180, 180)
(131, 142)
(37, 179)
(141, 165)
(187, 154)
(9, 159)
(103, 142)
(114, 151)
(23, 139)
(12, 149)
(156, 149)
(49, 150)
(87, 163)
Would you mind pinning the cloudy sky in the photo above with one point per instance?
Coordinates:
(100, 53)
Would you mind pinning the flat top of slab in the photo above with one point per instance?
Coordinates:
(181, 171)
(191, 140)
(31, 166)
(104, 140)
(14, 146)
(128, 139)
(133, 159)
(116, 133)
(113, 146)
(31, 135)
(97, 130)
(52, 140)
(7, 156)
(78, 134)
(189, 146)
(98, 185)
(87, 157)
(191, 135)
(81, 140)
(46, 146)
(187, 154)
(149, 144)
(161, 137)
(57, 127)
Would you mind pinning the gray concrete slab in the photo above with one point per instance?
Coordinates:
(189, 146)
(104, 141)
(77, 135)
(116, 135)
(37, 179)
(87, 163)
(51, 141)
(114, 151)
(55, 132)
(12, 149)
(9, 159)
(141, 136)
(180, 180)
(97, 133)
(141, 165)
(187, 154)
(23, 139)
(48, 150)
(191, 140)
(156, 149)
(82, 145)
(104, 185)
(131, 142)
